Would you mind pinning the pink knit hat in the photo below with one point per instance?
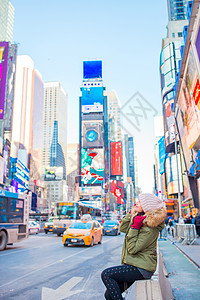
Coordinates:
(150, 202)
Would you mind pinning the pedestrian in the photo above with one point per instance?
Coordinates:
(139, 256)
(197, 224)
(187, 220)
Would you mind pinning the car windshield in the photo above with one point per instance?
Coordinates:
(50, 220)
(80, 225)
(110, 223)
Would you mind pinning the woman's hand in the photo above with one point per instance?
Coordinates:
(132, 211)
(138, 220)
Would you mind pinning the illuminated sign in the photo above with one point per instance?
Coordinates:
(196, 93)
(19, 172)
(117, 189)
(92, 99)
(92, 133)
(92, 69)
(92, 166)
(116, 158)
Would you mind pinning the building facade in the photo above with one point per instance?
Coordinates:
(23, 102)
(36, 137)
(54, 125)
(114, 116)
(7, 13)
(177, 9)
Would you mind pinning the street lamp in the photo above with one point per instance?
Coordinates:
(177, 168)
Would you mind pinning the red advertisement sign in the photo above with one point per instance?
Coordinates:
(196, 93)
(117, 189)
(116, 158)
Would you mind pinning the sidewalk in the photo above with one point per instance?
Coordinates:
(191, 251)
(183, 266)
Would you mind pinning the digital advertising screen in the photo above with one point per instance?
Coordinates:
(171, 175)
(197, 43)
(3, 74)
(92, 69)
(92, 166)
(117, 189)
(92, 134)
(162, 155)
(92, 99)
(116, 158)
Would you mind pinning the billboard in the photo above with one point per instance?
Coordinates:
(1, 169)
(53, 173)
(131, 159)
(19, 172)
(3, 75)
(171, 175)
(116, 158)
(197, 43)
(92, 69)
(117, 189)
(92, 166)
(162, 155)
(92, 134)
(92, 99)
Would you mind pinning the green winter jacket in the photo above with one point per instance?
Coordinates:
(139, 248)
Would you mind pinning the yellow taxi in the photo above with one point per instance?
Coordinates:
(83, 233)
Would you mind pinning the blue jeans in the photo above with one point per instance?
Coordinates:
(118, 279)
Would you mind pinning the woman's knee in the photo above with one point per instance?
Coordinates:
(104, 274)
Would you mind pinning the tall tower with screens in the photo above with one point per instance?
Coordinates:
(93, 130)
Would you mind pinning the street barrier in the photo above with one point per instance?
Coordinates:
(186, 233)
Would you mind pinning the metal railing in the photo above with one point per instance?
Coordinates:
(186, 233)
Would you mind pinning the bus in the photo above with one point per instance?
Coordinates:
(67, 212)
(14, 213)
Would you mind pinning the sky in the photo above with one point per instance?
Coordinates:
(125, 35)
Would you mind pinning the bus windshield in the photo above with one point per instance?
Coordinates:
(66, 211)
(11, 210)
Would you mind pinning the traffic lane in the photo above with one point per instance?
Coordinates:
(35, 252)
(64, 263)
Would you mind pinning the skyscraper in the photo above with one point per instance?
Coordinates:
(57, 158)
(54, 125)
(37, 126)
(114, 126)
(93, 156)
(23, 101)
(6, 20)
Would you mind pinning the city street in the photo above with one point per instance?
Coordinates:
(42, 268)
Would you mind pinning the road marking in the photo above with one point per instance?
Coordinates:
(49, 265)
(16, 251)
(63, 292)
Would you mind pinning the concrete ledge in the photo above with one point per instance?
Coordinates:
(156, 288)
(145, 290)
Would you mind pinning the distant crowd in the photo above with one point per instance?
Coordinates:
(170, 222)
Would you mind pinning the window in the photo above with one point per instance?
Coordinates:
(180, 34)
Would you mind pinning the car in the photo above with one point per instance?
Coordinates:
(85, 233)
(33, 227)
(109, 216)
(48, 226)
(111, 227)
